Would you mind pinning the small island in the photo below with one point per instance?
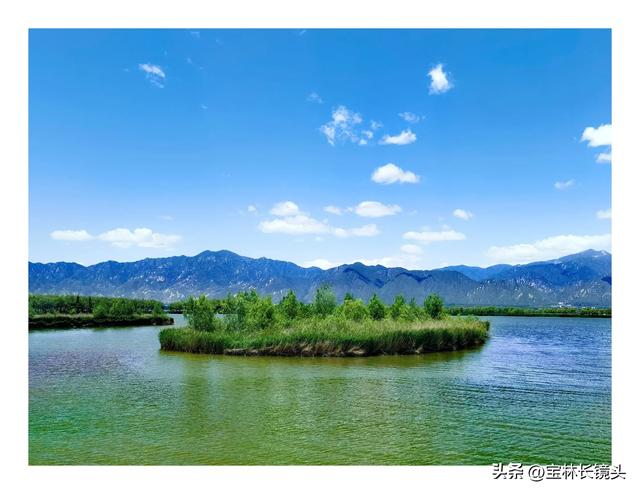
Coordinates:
(76, 311)
(248, 324)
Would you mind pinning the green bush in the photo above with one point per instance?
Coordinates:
(201, 314)
(289, 306)
(354, 310)
(376, 308)
(325, 301)
(434, 306)
(397, 307)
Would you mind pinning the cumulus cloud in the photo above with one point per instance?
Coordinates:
(405, 259)
(604, 214)
(564, 185)
(548, 248)
(251, 208)
(292, 221)
(413, 249)
(403, 138)
(369, 230)
(121, 237)
(412, 118)
(429, 236)
(315, 98)
(440, 82)
(600, 136)
(390, 174)
(597, 137)
(462, 214)
(375, 209)
(71, 235)
(300, 224)
(286, 208)
(342, 126)
(153, 73)
(140, 237)
(333, 210)
(320, 263)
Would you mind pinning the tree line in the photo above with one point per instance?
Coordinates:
(250, 311)
(99, 307)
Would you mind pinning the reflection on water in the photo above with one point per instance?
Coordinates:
(538, 391)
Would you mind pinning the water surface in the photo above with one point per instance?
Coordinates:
(538, 391)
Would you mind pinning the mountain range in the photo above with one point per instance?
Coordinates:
(582, 279)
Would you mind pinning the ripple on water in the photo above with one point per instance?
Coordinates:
(538, 391)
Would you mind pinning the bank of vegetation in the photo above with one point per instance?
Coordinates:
(530, 311)
(248, 324)
(76, 311)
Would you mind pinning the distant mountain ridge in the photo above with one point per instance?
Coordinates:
(582, 279)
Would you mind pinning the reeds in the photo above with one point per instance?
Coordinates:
(334, 337)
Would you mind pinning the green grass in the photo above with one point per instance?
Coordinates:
(334, 337)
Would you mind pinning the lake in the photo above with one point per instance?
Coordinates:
(539, 391)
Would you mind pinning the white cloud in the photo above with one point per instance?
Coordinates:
(154, 74)
(251, 208)
(412, 249)
(315, 98)
(320, 263)
(462, 214)
(375, 125)
(140, 237)
(603, 158)
(548, 248)
(564, 185)
(286, 208)
(604, 214)
(429, 236)
(375, 209)
(166, 217)
(403, 138)
(293, 222)
(333, 210)
(342, 126)
(71, 235)
(601, 136)
(300, 224)
(407, 116)
(408, 257)
(439, 80)
(121, 237)
(390, 174)
(369, 230)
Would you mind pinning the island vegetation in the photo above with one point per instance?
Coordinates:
(74, 311)
(248, 324)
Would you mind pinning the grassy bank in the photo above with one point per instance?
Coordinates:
(77, 311)
(56, 321)
(333, 336)
(530, 312)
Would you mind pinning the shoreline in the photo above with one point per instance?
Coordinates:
(65, 321)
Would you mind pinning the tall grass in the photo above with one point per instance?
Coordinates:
(333, 336)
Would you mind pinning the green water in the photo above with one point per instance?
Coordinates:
(538, 391)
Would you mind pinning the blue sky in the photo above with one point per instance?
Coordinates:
(419, 148)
